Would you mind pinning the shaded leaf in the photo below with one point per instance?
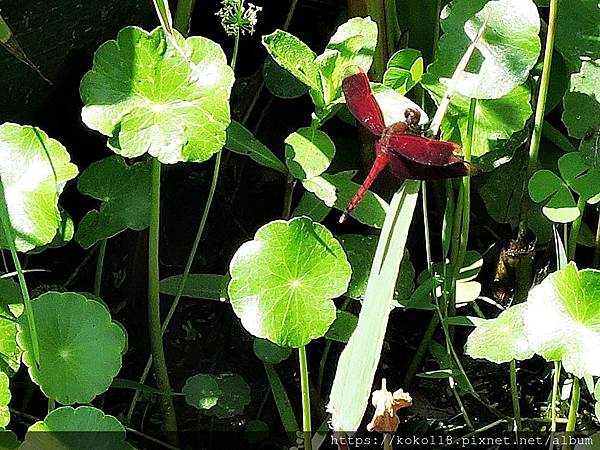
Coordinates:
(582, 102)
(240, 140)
(202, 391)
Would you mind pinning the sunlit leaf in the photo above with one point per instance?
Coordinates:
(501, 339)
(5, 397)
(34, 170)
(283, 282)
(562, 319)
(308, 152)
(507, 50)
(148, 98)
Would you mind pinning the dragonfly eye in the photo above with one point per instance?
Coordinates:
(412, 117)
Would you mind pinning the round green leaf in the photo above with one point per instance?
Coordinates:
(34, 170)
(270, 353)
(125, 196)
(507, 50)
(308, 152)
(201, 391)
(75, 429)
(562, 320)
(282, 282)
(235, 395)
(148, 98)
(501, 339)
(582, 102)
(80, 347)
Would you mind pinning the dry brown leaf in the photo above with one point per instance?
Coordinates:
(386, 405)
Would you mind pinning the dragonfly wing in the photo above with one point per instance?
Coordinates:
(405, 168)
(361, 101)
(423, 150)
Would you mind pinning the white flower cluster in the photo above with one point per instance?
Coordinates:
(238, 18)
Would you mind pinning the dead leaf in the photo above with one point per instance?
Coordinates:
(386, 405)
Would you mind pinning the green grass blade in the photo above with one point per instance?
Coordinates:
(10, 239)
(357, 364)
(282, 401)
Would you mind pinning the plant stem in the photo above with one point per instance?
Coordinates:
(554, 395)
(305, 391)
(9, 236)
(596, 260)
(573, 406)
(158, 354)
(183, 15)
(515, 397)
(290, 184)
(193, 250)
(100, 267)
(420, 353)
(575, 227)
(538, 123)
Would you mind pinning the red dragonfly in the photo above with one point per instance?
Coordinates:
(402, 146)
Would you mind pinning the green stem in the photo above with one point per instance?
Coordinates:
(290, 184)
(554, 395)
(191, 256)
(538, 122)
(100, 267)
(575, 227)
(573, 406)
(515, 396)
(596, 260)
(415, 364)
(183, 15)
(9, 236)
(305, 391)
(158, 354)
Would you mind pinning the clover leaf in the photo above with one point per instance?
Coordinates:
(560, 206)
(80, 346)
(508, 48)
(34, 170)
(149, 94)
(580, 177)
(283, 281)
(125, 196)
(582, 101)
(76, 428)
(562, 319)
